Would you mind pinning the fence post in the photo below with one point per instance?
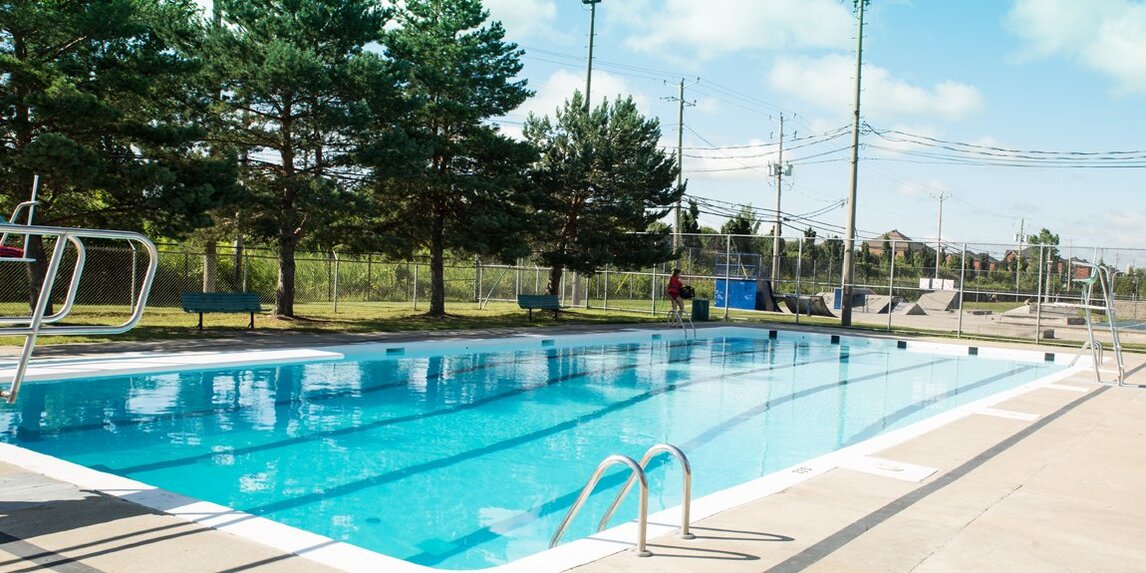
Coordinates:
(415, 285)
(1038, 297)
(891, 286)
(799, 269)
(336, 267)
(653, 291)
(605, 298)
(962, 291)
(477, 279)
(727, 270)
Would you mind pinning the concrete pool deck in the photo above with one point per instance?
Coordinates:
(1047, 481)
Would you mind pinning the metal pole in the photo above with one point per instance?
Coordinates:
(336, 268)
(1038, 299)
(777, 232)
(676, 239)
(962, 287)
(415, 285)
(727, 271)
(891, 286)
(799, 267)
(850, 230)
(589, 69)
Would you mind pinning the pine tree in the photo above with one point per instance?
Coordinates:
(463, 190)
(101, 100)
(298, 90)
(604, 178)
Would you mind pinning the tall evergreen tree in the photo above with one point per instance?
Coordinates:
(99, 98)
(466, 193)
(604, 178)
(297, 85)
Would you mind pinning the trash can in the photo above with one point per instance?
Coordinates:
(699, 309)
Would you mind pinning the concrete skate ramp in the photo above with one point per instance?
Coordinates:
(807, 305)
(909, 308)
(877, 304)
(940, 300)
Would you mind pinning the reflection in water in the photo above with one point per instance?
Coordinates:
(459, 460)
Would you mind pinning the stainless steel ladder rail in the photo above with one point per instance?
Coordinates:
(676, 318)
(686, 502)
(35, 324)
(1103, 277)
(642, 512)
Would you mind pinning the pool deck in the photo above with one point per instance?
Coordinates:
(1046, 481)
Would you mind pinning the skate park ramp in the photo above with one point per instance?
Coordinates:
(875, 304)
(807, 305)
(939, 301)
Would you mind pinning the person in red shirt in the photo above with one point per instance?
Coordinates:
(673, 291)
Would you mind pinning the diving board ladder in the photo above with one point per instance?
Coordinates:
(36, 324)
(1101, 276)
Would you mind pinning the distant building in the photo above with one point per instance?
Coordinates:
(899, 242)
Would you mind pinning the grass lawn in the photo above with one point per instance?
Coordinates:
(166, 323)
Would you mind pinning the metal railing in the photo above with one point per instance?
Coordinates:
(642, 511)
(37, 323)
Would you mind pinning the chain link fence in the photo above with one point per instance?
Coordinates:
(969, 289)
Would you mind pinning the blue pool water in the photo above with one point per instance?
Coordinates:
(465, 458)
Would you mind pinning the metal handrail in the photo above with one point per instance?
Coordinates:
(642, 512)
(687, 499)
(73, 287)
(37, 320)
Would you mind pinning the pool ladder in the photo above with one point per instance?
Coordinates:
(637, 475)
(37, 324)
(678, 319)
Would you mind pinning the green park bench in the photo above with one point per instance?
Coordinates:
(203, 302)
(539, 302)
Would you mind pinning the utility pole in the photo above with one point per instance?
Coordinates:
(589, 70)
(576, 291)
(850, 231)
(778, 169)
(939, 235)
(676, 238)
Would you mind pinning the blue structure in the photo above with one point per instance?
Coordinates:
(740, 293)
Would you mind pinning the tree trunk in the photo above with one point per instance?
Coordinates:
(210, 265)
(437, 268)
(284, 294)
(554, 286)
(36, 271)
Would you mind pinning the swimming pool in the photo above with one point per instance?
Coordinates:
(467, 454)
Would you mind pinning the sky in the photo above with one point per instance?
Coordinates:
(1010, 114)
(1007, 114)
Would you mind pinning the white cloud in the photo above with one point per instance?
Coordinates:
(524, 18)
(559, 87)
(708, 29)
(829, 82)
(1108, 36)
